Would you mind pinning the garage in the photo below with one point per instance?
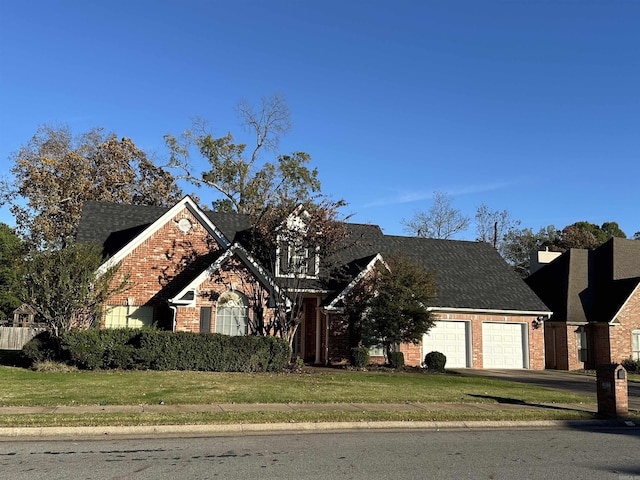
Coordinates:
(503, 345)
(450, 338)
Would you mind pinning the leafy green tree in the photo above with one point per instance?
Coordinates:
(390, 306)
(242, 180)
(11, 255)
(62, 286)
(588, 235)
(518, 245)
(442, 220)
(612, 229)
(56, 173)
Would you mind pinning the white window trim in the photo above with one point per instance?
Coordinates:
(635, 354)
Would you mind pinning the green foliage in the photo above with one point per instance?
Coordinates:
(435, 361)
(396, 359)
(11, 255)
(244, 182)
(390, 306)
(360, 357)
(519, 243)
(161, 350)
(61, 285)
(44, 347)
(631, 365)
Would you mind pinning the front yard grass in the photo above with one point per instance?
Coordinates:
(22, 387)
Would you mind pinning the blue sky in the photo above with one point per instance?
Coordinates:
(528, 106)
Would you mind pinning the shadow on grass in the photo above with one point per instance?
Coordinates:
(516, 401)
(613, 425)
(13, 358)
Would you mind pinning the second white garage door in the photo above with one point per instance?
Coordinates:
(450, 338)
(503, 345)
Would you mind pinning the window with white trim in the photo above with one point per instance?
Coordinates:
(232, 314)
(635, 344)
(297, 260)
(128, 316)
(377, 351)
(581, 344)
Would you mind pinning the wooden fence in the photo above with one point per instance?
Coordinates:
(14, 338)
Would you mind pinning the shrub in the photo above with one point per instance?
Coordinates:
(360, 357)
(44, 347)
(631, 365)
(162, 350)
(396, 359)
(83, 348)
(435, 361)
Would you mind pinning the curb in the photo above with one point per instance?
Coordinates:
(8, 434)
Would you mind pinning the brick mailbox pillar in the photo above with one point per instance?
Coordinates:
(613, 394)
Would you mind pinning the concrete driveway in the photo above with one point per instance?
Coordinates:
(558, 380)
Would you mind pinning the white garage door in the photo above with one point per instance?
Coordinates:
(449, 338)
(503, 345)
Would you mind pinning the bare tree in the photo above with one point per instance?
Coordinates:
(493, 225)
(440, 221)
(244, 182)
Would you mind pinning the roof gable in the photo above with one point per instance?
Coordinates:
(259, 273)
(143, 232)
(469, 275)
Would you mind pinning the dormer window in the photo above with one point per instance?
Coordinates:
(297, 261)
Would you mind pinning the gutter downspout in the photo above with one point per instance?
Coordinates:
(326, 343)
(318, 359)
(174, 320)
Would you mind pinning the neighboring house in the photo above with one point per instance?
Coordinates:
(595, 299)
(191, 272)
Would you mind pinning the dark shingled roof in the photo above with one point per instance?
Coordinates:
(469, 275)
(589, 285)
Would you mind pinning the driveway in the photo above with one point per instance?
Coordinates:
(557, 380)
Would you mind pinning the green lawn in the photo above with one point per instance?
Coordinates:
(31, 388)
(22, 387)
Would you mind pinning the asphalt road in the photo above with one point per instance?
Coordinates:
(574, 383)
(492, 454)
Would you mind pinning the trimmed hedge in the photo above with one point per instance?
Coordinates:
(435, 361)
(631, 365)
(161, 350)
(360, 357)
(396, 359)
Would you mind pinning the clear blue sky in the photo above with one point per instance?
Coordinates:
(529, 106)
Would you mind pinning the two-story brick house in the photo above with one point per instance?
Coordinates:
(191, 270)
(595, 299)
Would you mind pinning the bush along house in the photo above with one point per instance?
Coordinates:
(195, 270)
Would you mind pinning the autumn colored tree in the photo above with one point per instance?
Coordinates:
(55, 173)
(301, 242)
(242, 180)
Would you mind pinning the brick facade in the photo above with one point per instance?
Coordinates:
(158, 266)
(173, 257)
(339, 341)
